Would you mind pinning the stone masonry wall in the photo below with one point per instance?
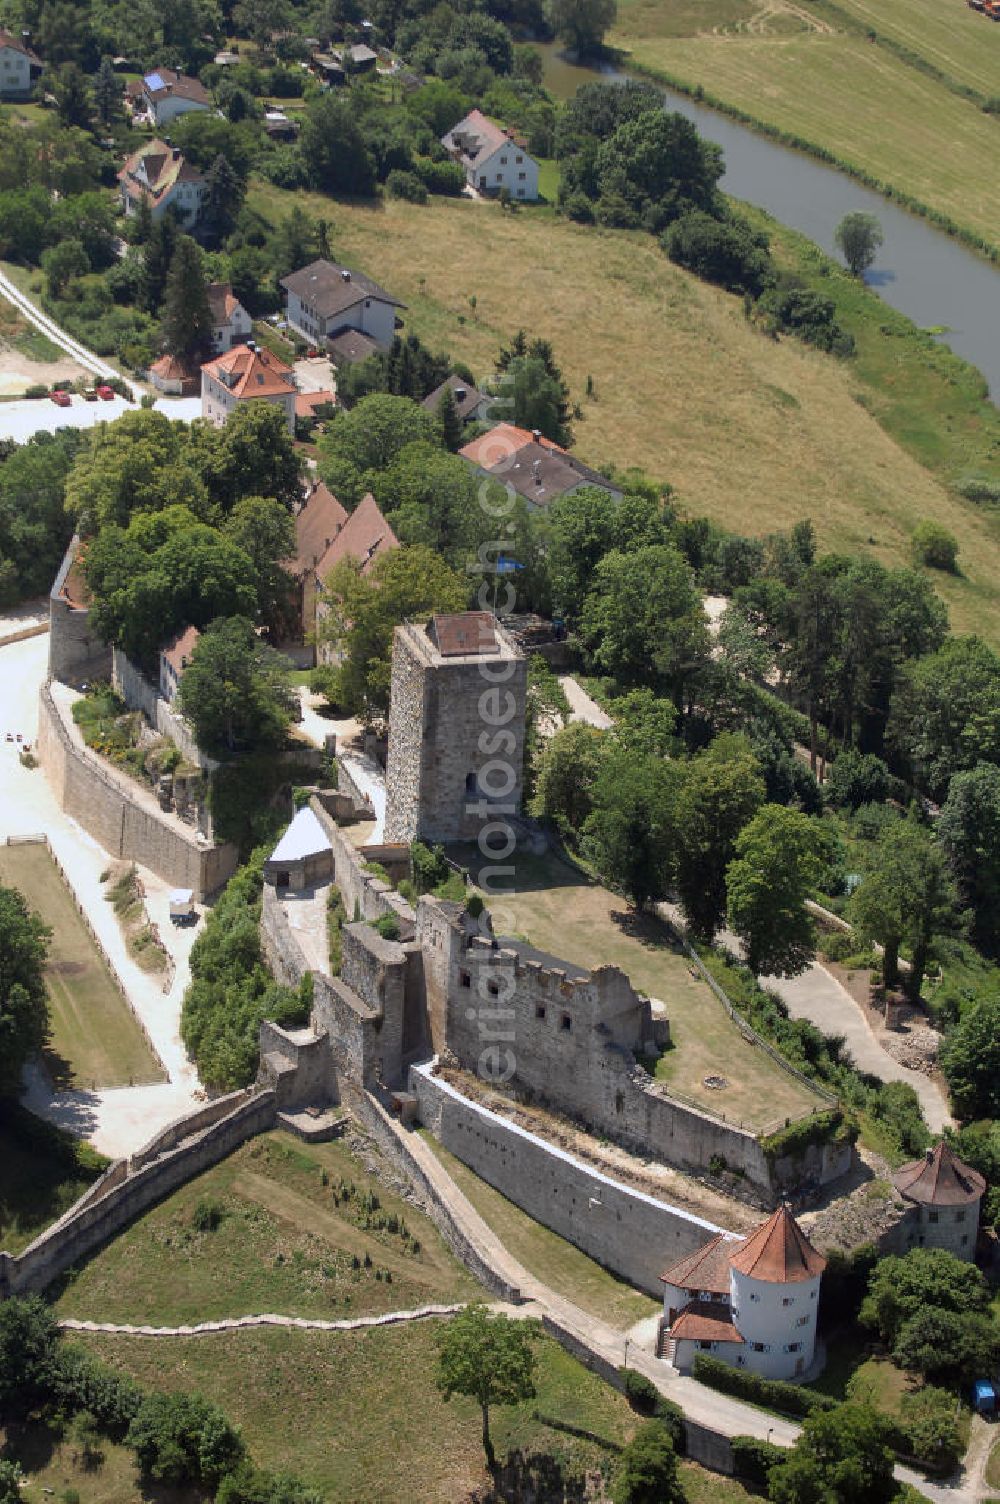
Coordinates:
(140, 694)
(76, 652)
(630, 1233)
(107, 809)
(95, 1218)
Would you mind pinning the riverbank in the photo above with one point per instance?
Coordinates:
(894, 99)
(752, 432)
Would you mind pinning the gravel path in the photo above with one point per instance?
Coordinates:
(582, 707)
(237, 1323)
(120, 1120)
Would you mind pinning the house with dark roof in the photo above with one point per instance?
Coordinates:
(469, 404)
(942, 1195)
(751, 1302)
(246, 374)
(492, 158)
(160, 175)
(533, 465)
(19, 67)
(325, 300)
(163, 94)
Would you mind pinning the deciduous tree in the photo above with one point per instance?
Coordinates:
(780, 857)
(841, 1457)
(647, 1472)
(24, 1008)
(859, 237)
(722, 791)
(235, 690)
(970, 1060)
(487, 1358)
(581, 24)
(906, 897)
(631, 834)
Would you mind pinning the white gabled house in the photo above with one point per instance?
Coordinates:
(231, 324)
(19, 67)
(164, 94)
(492, 158)
(159, 174)
(324, 300)
(750, 1302)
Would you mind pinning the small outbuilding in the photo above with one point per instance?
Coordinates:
(303, 858)
(943, 1195)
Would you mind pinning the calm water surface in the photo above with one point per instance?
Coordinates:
(928, 276)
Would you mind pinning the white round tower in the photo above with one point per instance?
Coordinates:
(774, 1293)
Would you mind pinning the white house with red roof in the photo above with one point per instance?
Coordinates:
(162, 176)
(492, 158)
(19, 67)
(246, 374)
(751, 1302)
(231, 324)
(163, 94)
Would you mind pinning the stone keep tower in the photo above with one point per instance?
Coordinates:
(456, 728)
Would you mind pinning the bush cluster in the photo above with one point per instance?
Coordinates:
(773, 1394)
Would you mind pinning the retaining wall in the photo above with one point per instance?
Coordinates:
(627, 1231)
(140, 694)
(109, 811)
(122, 1194)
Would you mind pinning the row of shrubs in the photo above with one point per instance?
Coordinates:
(773, 1394)
(178, 1439)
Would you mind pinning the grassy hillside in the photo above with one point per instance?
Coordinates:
(753, 432)
(811, 70)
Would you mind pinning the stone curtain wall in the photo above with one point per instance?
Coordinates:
(630, 1233)
(130, 1187)
(139, 694)
(407, 729)
(76, 652)
(108, 810)
(362, 892)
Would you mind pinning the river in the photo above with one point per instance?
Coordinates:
(921, 271)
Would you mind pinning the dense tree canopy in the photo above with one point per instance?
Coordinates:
(235, 690)
(780, 857)
(946, 712)
(34, 525)
(900, 1286)
(24, 1008)
(841, 1457)
(631, 833)
(907, 896)
(721, 792)
(970, 1060)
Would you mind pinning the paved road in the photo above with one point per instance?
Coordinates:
(58, 336)
(582, 707)
(120, 1120)
(820, 998)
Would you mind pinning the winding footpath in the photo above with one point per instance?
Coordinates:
(238, 1323)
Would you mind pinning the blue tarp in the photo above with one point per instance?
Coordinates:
(153, 81)
(983, 1395)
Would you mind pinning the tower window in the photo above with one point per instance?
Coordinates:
(566, 1023)
(539, 1010)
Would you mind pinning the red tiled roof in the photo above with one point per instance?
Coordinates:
(939, 1179)
(180, 649)
(8, 39)
(164, 167)
(365, 536)
(251, 373)
(316, 526)
(463, 634)
(476, 138)
(222, 302)
(778, 1252)
(705, 1321)
(306, 403)
(705, 1269)
(501, 443)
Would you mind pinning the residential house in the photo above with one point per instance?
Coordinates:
(19, 67)
(174, 659)
(279, 126)
(750, 1302)
(231, 324)
(159, 174)
(469, 404)
(325, 299)
(492, 158)
(164, 94)
(943, 1194)
(533, 465)
(246, 374)
(359, 58)
(329, 68)
(365, 537)
(175, 377)
(318, 522)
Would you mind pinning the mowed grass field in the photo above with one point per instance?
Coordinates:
(559, 910)
(801, 68)
(751, 432)
(548, 1256)
(357, 1414)
(290, 1239)
(94, 1039)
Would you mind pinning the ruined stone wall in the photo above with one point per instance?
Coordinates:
(76, 652)
(362, 892)
(125, 1193)
(407, 728)
(106, 807)
(139, 693)
(630, 1233)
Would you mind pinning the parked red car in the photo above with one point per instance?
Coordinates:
(61, 399)
(105, 393)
